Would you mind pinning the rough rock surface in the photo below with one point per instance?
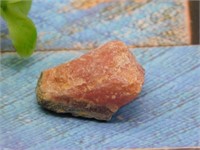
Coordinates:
(95, 85)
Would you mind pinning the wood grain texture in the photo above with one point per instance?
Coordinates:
(179, 148)
(169, 148)
(81, 24)
(166, 114)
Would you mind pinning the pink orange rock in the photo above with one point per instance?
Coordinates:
(95, 85)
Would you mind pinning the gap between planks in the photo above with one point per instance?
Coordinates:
(88, 49)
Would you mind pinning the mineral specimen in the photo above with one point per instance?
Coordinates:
(95, 85)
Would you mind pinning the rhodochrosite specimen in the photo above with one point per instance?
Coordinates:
(95, 85)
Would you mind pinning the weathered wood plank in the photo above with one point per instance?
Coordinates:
(166, 114)
(87, 24)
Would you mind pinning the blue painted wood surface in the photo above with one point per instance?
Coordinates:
(83, 24)
(166, 114)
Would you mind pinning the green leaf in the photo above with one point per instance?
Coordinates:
(22, 30)
(3, 7)
(13, 1)
(23, 5)
(23, 34)
(3, 4)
